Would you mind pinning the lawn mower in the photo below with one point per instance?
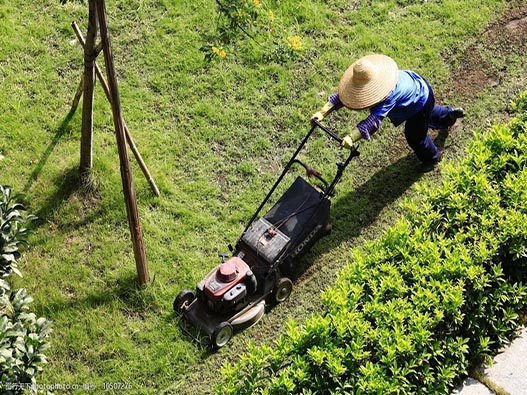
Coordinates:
(234, 295)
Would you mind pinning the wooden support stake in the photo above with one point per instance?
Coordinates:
(126, 175)
(129, 138)
(89, 82)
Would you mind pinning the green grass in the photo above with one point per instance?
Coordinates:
(214, 138)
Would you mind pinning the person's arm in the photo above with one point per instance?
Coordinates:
(365, 129)
(332, 104)
(369, 126)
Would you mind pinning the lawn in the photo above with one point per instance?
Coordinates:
(214, 136)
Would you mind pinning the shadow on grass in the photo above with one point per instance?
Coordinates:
(131, 298)
(63, 129)
(69, 184)
(355, 211)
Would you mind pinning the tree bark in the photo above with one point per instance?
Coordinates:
(126, 174)
(89, 81)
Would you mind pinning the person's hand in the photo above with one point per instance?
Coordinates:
(319, 115)
(347, 142)
(350, 139)
(332, 104)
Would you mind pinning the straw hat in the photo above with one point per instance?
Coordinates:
(368, 81)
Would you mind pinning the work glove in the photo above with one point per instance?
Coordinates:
(350, 139)
(365, 129)
(320, 115)
(333, 104)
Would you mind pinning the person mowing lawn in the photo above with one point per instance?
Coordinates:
(374, 82)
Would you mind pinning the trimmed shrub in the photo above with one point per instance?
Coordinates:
(443, 289)
(23, 337)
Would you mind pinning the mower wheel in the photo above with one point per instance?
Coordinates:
(282, 289)
(221, 335)
(184, 298)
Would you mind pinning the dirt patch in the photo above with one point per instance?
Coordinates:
(517, 25)
(484, 64)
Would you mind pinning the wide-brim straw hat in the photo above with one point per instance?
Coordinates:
(368, 81)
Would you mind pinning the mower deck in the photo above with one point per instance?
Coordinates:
(200, 322)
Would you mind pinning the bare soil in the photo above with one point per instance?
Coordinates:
(485, 63)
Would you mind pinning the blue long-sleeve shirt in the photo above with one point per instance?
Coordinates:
(406, 99)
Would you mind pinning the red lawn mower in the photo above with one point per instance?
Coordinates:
(234, 295)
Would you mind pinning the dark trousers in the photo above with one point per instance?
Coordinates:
(416, 128)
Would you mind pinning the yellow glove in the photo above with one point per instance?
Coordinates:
(350, 139)
(320, 115)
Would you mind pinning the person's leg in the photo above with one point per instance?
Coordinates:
(416, 133)
(442, 117)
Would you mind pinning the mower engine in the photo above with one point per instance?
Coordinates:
(226, 288)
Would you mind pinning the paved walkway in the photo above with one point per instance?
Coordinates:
(508, 374)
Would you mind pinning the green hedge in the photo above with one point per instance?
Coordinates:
(441, 290)
(23, 337)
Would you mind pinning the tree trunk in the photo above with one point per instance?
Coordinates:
(90, 54)
(126, 174)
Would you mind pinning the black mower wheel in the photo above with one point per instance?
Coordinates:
(184, 298)
(221, 335)
(282, 289)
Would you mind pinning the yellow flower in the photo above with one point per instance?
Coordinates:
(270, 14)
(295, 43)
(257, 3)
(220, 52)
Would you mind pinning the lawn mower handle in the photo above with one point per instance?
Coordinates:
(329, 190)
(311, 172)
(329, 132)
